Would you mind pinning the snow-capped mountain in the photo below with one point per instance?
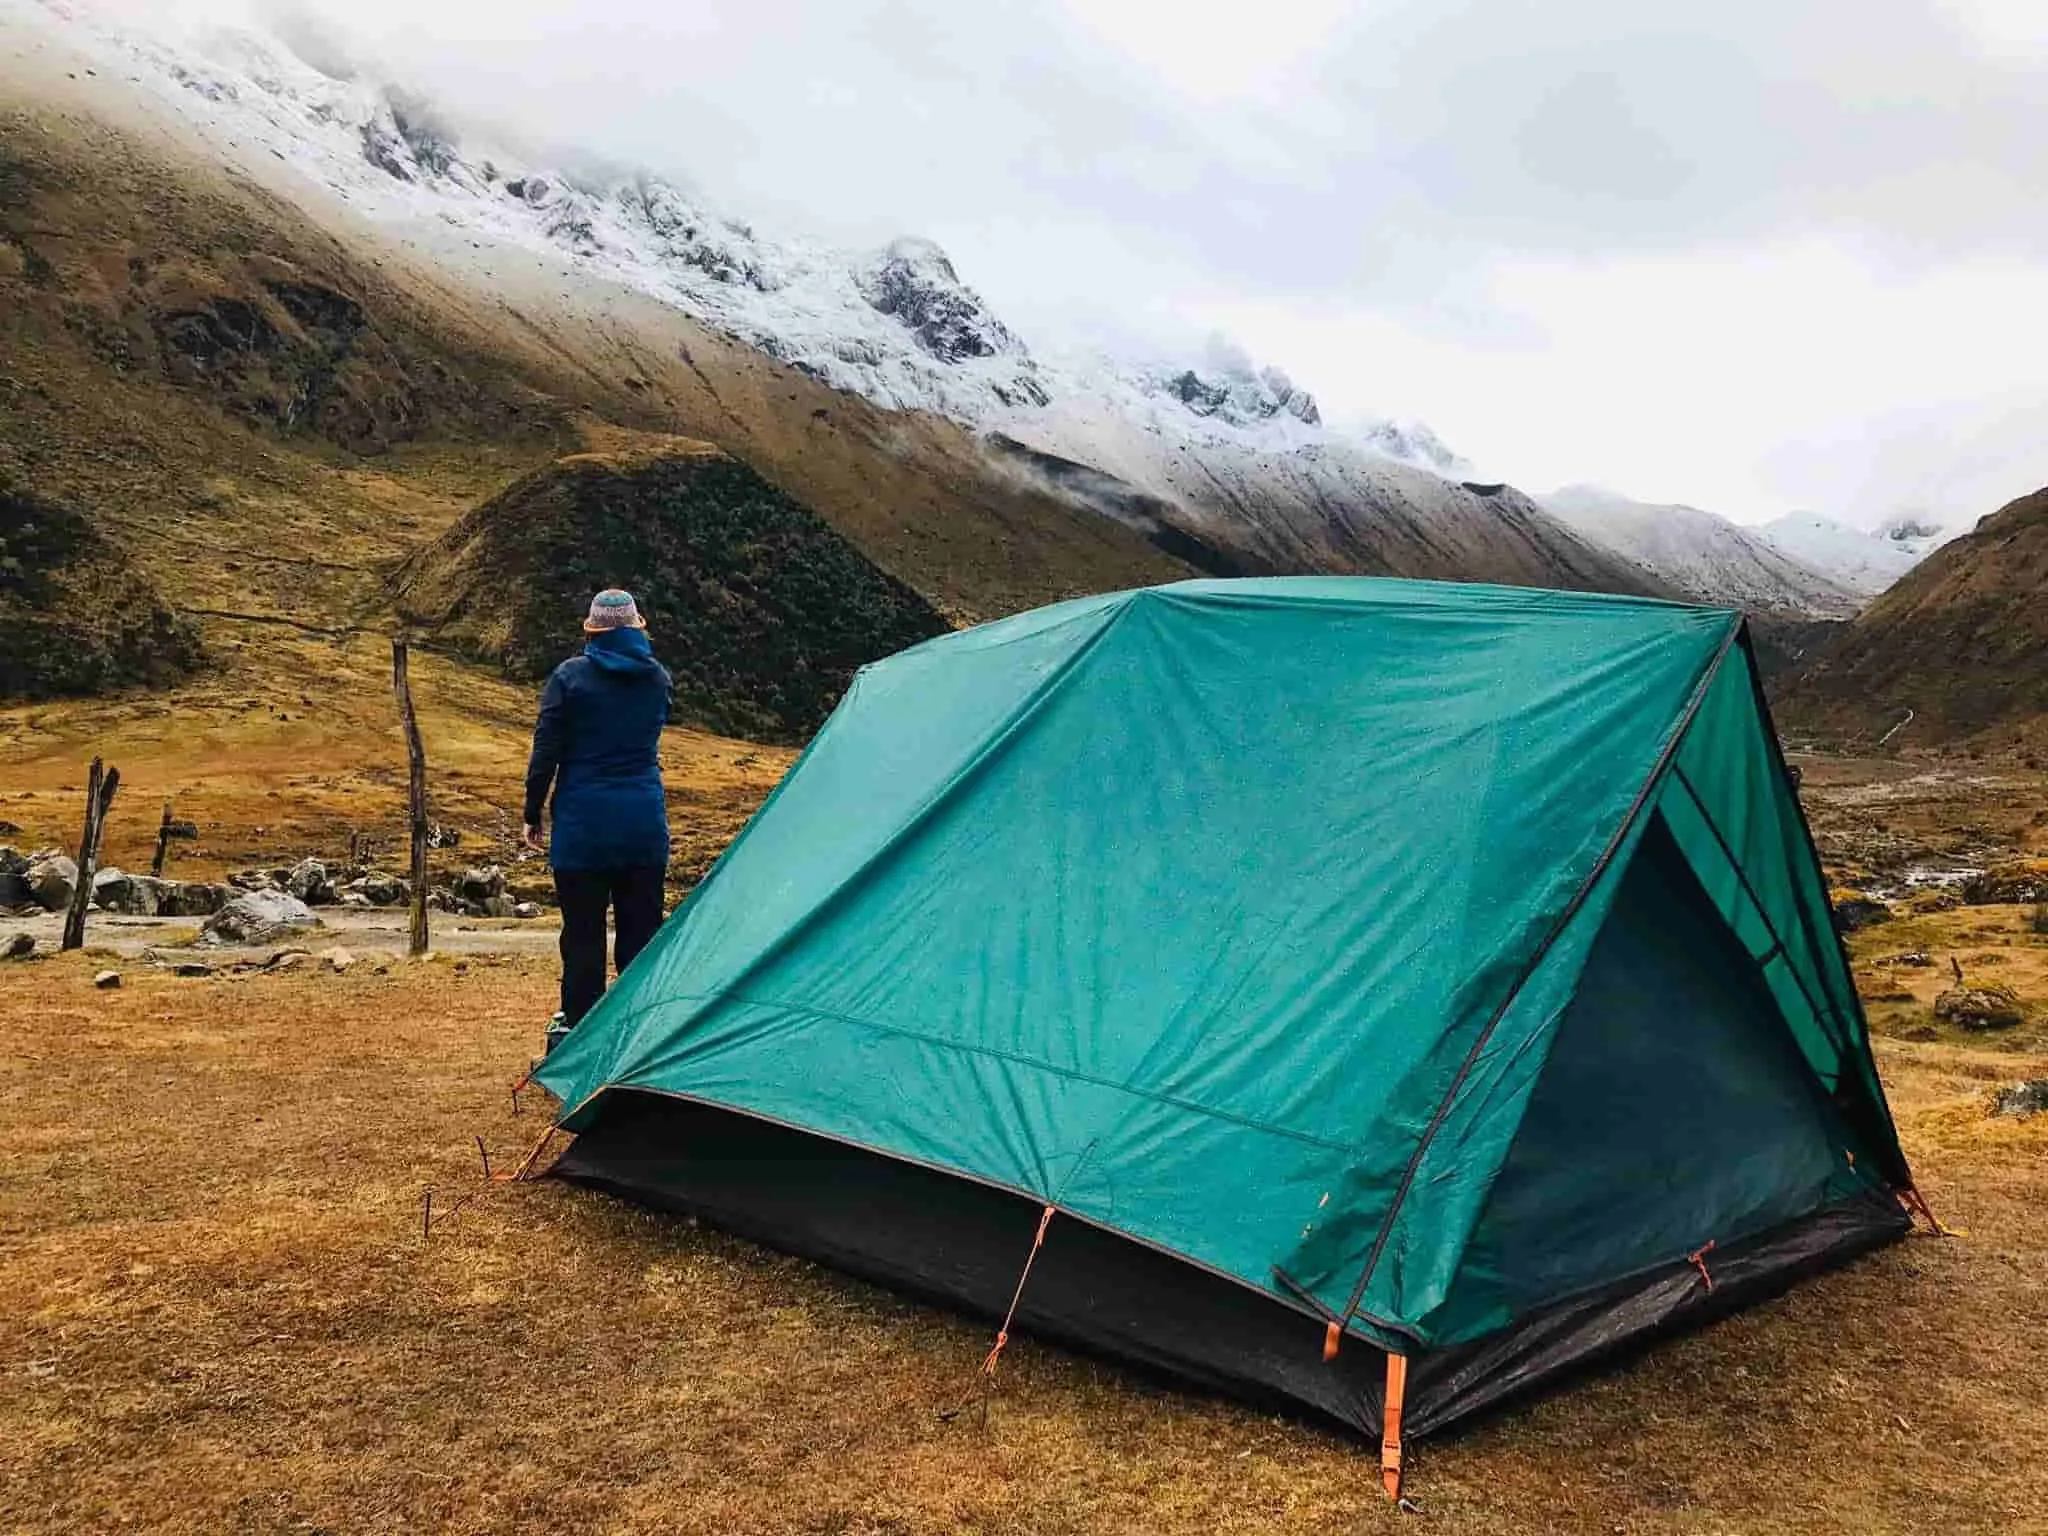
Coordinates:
(1864, 561)
(1238, 456)
(1703, 554)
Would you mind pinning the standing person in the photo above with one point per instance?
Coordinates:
(598, 742)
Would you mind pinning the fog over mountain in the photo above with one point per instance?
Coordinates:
(1717, 259)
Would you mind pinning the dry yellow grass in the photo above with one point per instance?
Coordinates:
(219, 1314)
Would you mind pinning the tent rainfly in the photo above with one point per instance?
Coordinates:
(1365, 996)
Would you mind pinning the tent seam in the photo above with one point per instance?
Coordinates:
(1306, 1138)
(1665, 759)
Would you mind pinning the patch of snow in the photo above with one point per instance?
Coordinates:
(1239, 456)
(1864, 562)
(1705, 555)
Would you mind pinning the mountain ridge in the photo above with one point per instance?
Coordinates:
(1236, 456)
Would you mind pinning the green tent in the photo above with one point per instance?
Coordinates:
(1400, 992)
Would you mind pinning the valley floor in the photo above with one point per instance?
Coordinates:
(219, 1312)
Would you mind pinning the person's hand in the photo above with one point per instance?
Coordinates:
(530, 835)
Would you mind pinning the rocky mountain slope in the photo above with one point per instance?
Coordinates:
(1703, 555)
(1960, 643)
(1237, 457)
(261, 409)
(761, 612)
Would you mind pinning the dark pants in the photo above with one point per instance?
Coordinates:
(634, 896)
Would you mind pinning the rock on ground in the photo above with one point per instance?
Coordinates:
(1854, 912)
(310, 882)
(337, 959)
(52, 877)
(380, 889)
(14, 887)
(1991, 1006)
(107, 980)
(135, 895)
(2023, 882)
(193, 899)
(481, 883)
(258, 917)
(2021, 1100)
(20, 947)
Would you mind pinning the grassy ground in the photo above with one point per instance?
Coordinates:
(217, 1313)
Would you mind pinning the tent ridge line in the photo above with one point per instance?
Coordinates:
(1658, 769)
(1825, 1016)
(904, 1032)
(990, 748)
(1858, 1018)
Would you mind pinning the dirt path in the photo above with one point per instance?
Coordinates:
(377, 931)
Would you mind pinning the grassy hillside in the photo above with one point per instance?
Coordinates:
(1961, 641)
(266, 412)
(760, 611)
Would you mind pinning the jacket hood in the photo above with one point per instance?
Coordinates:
(621, 651)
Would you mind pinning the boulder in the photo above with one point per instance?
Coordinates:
(252, 880)
(2022, 882)
(1853, 912)
(191, 899)
(51, 877)
(353, 899)
(383, 890)
(19, 947)
(14, 888)
(106, 981)
(481, 883)
(258, 917)
(526, 909)
(133, 895)
(310, 882)
(2021, 1100)
(288, 960)
(1991, 1006)
(499, 906)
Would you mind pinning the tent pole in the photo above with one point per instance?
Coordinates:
(1390, 1431)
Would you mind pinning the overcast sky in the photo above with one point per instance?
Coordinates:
(1755, 254)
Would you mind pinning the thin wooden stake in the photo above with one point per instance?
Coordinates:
(163, 843)
(101, 782)
(416, 795)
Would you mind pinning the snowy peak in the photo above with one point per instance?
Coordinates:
(1703, 555)
(1866, 563)
(1413, 443)
(1221, 453)
(1240, 396)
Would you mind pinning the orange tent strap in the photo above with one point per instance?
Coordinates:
(988, 1366)
(1390, 1426)
(1332, 1337)
(1698, 1260)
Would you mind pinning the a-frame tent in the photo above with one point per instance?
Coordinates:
(1401, 992)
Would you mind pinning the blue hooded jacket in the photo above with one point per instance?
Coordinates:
(598, 741)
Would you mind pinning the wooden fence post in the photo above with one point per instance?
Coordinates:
(416, 794)
(101, 782)
(163, 843)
